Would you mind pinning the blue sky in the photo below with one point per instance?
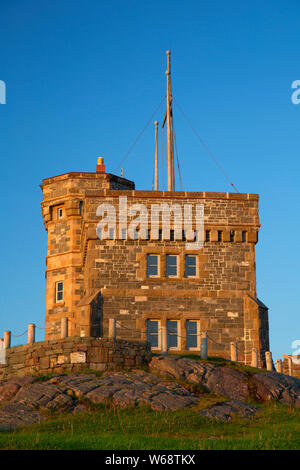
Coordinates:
(83, 78)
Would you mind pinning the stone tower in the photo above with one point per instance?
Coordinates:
(152, 285)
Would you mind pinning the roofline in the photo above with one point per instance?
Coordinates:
(84, 174)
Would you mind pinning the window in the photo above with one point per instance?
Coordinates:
(80, 207)
(172, 235)
(207, 235)
(123, 234)
(192, 334)
(135, 234)
(59, 291)
(160, 234)
(153, 333)
(183, 236)
(59, 213)
(111, 234)
(220, 235)
(172, 334)
(232, 236)
(152, 265)
(190, 266)
(244, 236)
(171, 266)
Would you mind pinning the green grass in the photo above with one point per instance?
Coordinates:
(105, 427)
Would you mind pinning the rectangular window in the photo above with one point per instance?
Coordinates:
(244, 236)
(207, 235)
(153, 333)
(192, 334)
(171, 266)
(190, 266)
(232, 236)
(220, 235)
(160, 234)
(135, 234)
(183, 236)
(59, 213)
(111, 234)
(172, 334)
(80, 207)
(59, 291)
(152, 265)
(172, 235)
(123, 233)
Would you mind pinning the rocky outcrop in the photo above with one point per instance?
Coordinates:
(28, 400)
(231, 383)
(225, 411)
(24, 401)
(273, 386)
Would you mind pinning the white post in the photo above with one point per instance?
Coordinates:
(233, 352)
(7, 339)
(112, 329)
(279, 366)
(64, 328)
(269, 360)
(203, 345)
(254, 360)
(31, 333)
(164, 340)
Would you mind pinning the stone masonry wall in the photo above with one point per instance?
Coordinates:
(220, 296)
(74, 354)
(295, 367)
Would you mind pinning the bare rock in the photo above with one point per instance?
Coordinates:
(223, 380)
(16, 414)
(225, 411)
(273, 386)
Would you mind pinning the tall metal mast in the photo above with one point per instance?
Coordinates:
(169, 117)
(156, 159)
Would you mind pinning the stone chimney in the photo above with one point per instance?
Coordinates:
(100, 168)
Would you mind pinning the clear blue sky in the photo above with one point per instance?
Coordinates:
(83, 78)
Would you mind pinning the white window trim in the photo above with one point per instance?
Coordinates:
(178, 347)
(56, 292)
(173, 276)
(158, 334)
(58, 213)
(158, 266)
(198, 335)
(197, 267)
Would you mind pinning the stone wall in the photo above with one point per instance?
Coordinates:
(74, 355)
(295, 367)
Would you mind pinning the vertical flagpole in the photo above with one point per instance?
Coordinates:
(156, 159)
(171, 178)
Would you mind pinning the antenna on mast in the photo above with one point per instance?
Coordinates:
(169, 119)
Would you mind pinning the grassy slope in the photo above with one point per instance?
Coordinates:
(275, 427)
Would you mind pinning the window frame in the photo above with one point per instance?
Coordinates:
(158, 265)
(58, 211)
(154, 348)
(57, 292)
(185, 266)
(177, 266)
(178, 347)
(197, 348)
